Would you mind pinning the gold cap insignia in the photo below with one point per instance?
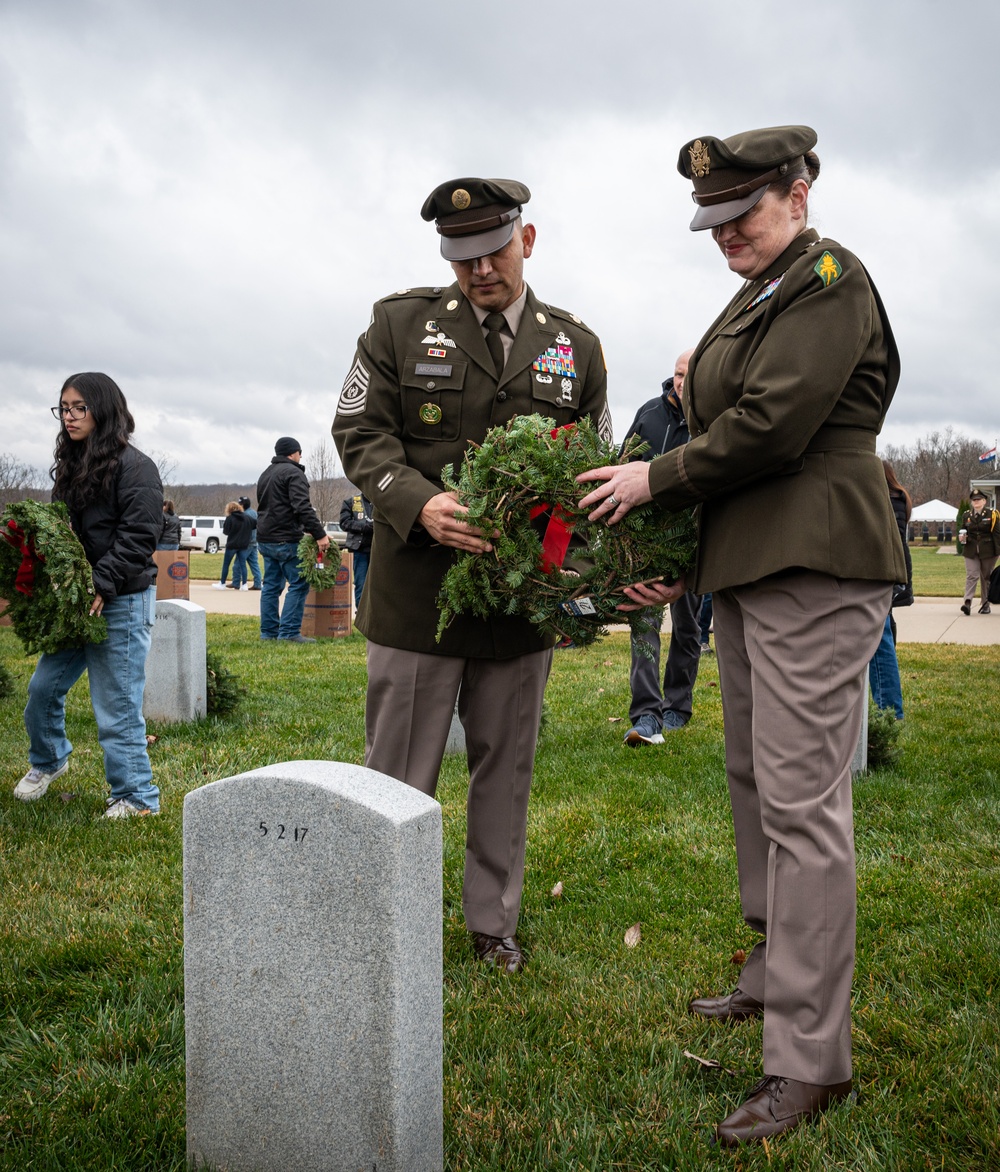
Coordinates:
(430, 413)
(460, 198)
(700, 162)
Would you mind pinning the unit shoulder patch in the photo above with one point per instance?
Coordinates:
(828, 268)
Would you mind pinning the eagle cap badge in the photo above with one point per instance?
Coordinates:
(460, 198)
(700, 162)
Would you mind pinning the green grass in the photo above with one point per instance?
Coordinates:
(937, 575)
(578, 1063)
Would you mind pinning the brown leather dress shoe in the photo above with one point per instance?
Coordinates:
(776, 1105)
(735, 1006)
(501, 952)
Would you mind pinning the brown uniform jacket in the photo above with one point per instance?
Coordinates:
(982, 534)
(421, 389)
(785, 395)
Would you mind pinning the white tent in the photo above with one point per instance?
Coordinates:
(934, 511)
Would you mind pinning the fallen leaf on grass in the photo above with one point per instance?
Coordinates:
(713, 684)
(738, 957)
(633, 936)
(558, 889)
(609, 663)
(708, 1063)
(66, 797)
(614, 719)
(150, 739)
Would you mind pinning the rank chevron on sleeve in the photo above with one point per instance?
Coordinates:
(354, 395)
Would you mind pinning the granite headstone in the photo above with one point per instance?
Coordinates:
(313, 972)
(176, 684)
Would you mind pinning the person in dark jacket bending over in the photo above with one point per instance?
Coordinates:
(661, 423)
(285, 513)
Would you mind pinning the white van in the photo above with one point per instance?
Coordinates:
(204, 533)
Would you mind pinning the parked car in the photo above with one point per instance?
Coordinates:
(204, 533)
(336, 533)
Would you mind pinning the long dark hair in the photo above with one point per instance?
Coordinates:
(83, 470)
(895, 486)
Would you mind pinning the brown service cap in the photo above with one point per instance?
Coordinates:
(475, 216)
(730, 175)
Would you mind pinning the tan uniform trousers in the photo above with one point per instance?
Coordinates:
(978, 570)
(793, 652)
(411, 699)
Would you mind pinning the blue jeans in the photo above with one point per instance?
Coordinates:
(117, 673)
(883, 673)
(360, 560)
(281, 565)
(253, 563)
(239, 569)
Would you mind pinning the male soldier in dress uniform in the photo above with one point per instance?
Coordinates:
(436, 368)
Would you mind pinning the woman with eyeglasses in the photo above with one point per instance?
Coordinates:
(114, 497)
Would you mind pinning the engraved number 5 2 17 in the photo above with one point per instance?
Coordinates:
(298, 833)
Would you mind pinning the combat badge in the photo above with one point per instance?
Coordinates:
(430, 413)
(354, 395)
(700, 162)
(828, 268)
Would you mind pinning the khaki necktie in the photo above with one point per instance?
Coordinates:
(494, 323)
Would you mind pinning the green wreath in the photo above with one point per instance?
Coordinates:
(318, 571)
(549, 563)
(45, 579)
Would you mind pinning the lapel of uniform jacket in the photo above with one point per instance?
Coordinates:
(536, 333)
(460, 324)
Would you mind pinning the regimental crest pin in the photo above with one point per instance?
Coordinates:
(430, 413)
(700, 162)
(828, 268)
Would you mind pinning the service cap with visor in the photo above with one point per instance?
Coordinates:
(475, 217)
(730, 175)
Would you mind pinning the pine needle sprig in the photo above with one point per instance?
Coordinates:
(45, 579)
(531, 465)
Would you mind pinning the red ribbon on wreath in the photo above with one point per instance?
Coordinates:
(559, 531)
(24, 579)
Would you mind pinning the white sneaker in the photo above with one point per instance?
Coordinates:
(123, 808)
(244, 586)
(218, 585)
(36, 781)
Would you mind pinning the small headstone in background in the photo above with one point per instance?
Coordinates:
(313, 972)
(176, 686)
(859, 762)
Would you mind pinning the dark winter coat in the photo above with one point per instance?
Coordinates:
(238, 529)
(661, 423)
(284, 508)
(120, 529)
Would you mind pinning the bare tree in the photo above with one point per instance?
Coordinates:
(19, 481)
(166, 465)
(321, 468)
(938, 466)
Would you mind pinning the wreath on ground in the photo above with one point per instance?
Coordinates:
(549, 563)
(45, 579)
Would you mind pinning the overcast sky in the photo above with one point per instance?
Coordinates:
(204, 198)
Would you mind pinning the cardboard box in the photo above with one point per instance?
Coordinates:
(329, 613)
(172, 573)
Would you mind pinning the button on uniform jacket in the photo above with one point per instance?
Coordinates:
(421, 389)
(784, 396)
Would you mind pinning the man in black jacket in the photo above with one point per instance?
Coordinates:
(661, 423)
(285, 512)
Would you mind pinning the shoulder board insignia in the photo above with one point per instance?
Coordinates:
(828, 268)
(424, 291)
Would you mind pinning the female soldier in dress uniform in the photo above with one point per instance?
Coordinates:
(785, 395)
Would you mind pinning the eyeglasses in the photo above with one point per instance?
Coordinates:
(77, 411)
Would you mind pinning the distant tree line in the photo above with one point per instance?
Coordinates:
(939, 466)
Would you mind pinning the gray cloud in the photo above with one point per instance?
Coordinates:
(204, 199)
